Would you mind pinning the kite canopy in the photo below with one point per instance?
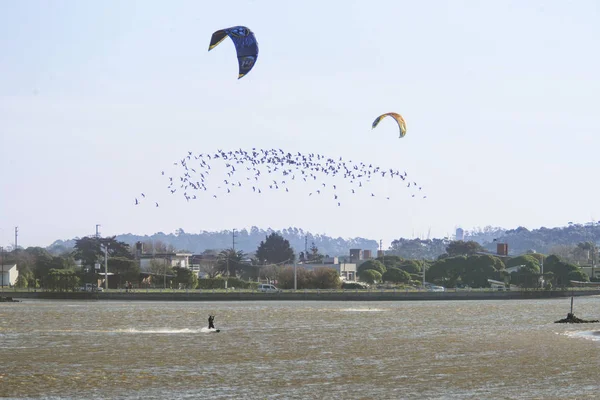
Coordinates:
(397, 117)
(245, 46)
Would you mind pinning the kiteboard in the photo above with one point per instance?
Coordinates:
(214, 331)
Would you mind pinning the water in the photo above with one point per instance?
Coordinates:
(299, 350)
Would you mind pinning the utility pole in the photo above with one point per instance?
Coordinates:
(305, 246)
(16, 236)
(105, 267)
(2, 268)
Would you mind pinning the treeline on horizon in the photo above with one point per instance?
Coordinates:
(464, 264)
(559, 240)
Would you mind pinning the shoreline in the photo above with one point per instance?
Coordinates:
(350, 295)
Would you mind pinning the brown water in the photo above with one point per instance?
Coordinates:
(299, 350)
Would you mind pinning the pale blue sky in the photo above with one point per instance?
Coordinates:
(97, 97)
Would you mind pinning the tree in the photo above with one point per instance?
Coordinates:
(231, 263)
(45, 265)
(275, 250)
(563, 272)
(157, 246)
(369, 276)
(410, 266)
(551, 262)
(185, 278)
(124, 268)
(478, 269)
(462, 248)
(90, 249)
(578, 275)
(538, 256)
(314, 256)
(417, 248)
(390, 261)
(22, 281)
(24, 259)
(525, 277)
(528, 261)
(395, 275)
(270, 272)
(62, 280)
(447, 271)
(372, 264)
(325, 278)
(285, 278)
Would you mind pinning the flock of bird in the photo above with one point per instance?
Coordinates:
(274, 169)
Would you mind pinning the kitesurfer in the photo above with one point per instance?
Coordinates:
(211, 320)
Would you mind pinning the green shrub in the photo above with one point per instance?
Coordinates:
(396, 275)
(369, 276)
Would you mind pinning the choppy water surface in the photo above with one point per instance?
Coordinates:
(299, 350)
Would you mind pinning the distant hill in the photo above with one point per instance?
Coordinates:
(542, 240)
(246, 240)
(520, 240)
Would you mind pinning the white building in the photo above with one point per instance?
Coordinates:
(202, 263)
(8, 275)
(460, 234)
(181, 260)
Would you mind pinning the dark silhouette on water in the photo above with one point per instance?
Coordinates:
(211, 320)
(572, 319)
(8, 300)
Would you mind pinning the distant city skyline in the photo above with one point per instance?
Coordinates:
(499, 98)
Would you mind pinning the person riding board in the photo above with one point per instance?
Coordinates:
(211, 320)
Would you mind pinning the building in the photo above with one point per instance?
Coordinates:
(356, 255)
(502, 249)
(181, 260)
(8, 275)
(201, 264)
(460, 234)
(367, 254)
(347, 271)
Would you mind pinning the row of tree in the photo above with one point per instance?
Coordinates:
(466, 264)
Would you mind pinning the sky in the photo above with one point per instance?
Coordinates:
(97, 98)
